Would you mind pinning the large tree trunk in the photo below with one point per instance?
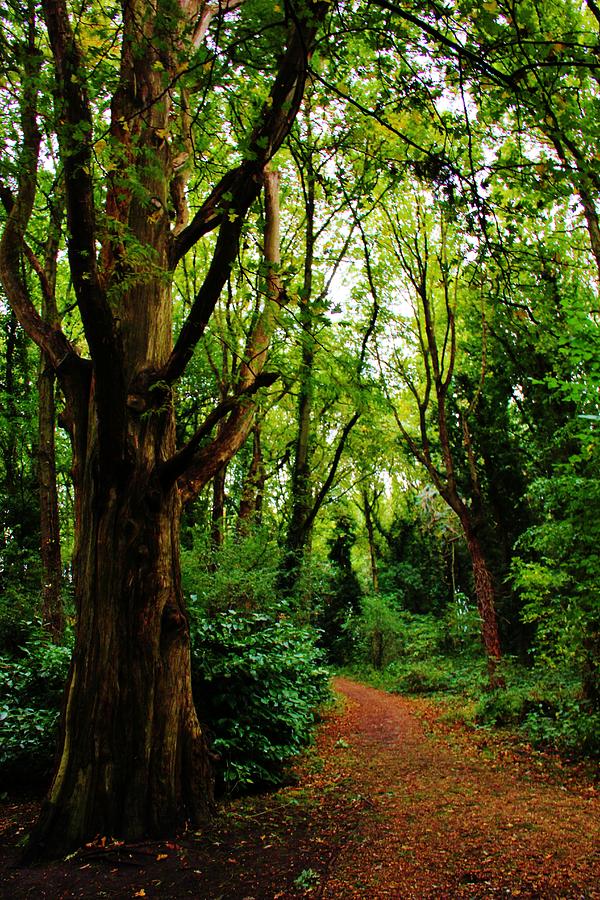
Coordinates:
(133, 758)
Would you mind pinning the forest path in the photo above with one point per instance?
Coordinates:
(448, 822)
(383, 806)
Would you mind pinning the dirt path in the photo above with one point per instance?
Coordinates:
(382, 808)
(448, 825)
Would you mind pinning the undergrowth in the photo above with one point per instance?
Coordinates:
(442, 657)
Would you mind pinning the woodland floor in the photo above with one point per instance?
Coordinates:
(391, 802)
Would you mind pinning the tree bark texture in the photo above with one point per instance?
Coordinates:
(133, 758)
(485, 592)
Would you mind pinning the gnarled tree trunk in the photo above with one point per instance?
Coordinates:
(133, 758)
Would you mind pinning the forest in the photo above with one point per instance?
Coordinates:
(299, 375)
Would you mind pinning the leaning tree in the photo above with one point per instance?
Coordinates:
(116, 103)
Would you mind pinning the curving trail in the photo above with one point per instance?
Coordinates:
(446, 823)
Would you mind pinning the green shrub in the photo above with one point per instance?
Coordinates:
(258, 681)
(379, 630)
(239, 575)
(385, 633)
(421, 678)
(504, 706)
(572, 727)
(27, 743)
(31, 687)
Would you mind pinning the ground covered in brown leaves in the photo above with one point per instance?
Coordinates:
(390, 803)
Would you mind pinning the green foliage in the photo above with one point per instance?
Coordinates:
(31, 687)
(241, 574)
(546, 706)
(307, 879)
(387, 633)
(505, 706)
(341, 598)
(418, 654)
(259, 680)
(414, 565)
(558, 574)
(421, 678)
(570, 726)
(379, 630)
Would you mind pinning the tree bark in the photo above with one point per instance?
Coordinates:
(253, 487)
(133, 758)
(485, 592)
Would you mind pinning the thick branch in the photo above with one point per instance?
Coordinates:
(275, 121)
(195, 467)
(75, 138)
(176, 466)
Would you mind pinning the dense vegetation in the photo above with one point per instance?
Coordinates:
(387, 368)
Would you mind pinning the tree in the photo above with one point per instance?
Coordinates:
(133, 758)
(431, 275)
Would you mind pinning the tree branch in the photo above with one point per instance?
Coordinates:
(462, 52)
(199, 465)
(48, 337)
(275, 121)
(322, 493)
(75, 140)
(177, 465)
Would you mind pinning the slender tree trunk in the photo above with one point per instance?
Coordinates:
(298, 532)
(377, 648)
(52, 610)
(371, 537)
(252, 490)
(486, 602)
(217, 525)
(10, 448)
(299, 528)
